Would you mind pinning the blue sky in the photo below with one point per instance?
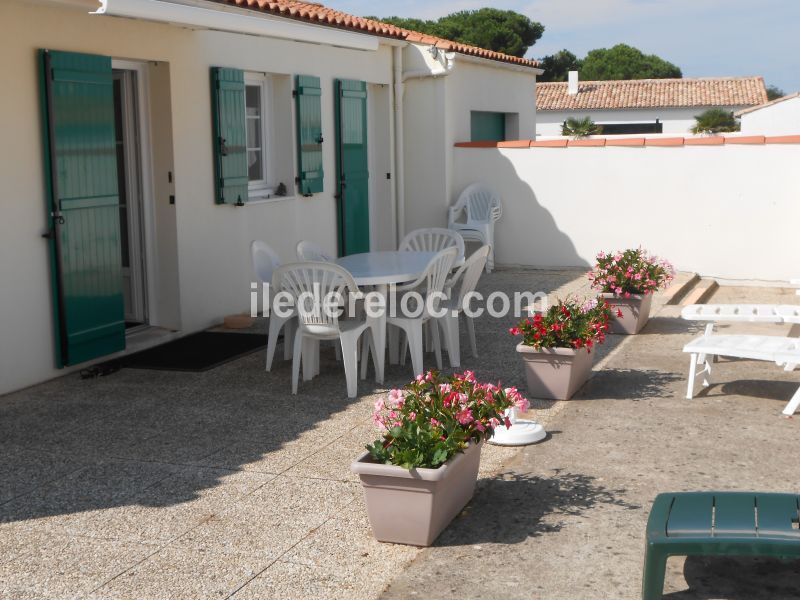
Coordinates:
(703, 37)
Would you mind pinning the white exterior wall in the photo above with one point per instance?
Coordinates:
(203, 249)
(723, 211)
(675, 120)
(437, 114)
(781, 118)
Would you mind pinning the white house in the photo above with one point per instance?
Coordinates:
(778, 117)
(146, 144)
(642, 105)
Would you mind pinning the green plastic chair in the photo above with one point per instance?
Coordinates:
(718, 524)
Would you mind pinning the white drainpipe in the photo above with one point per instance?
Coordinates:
(400, 173)
(400, 78)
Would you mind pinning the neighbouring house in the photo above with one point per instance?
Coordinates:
(778, 117)
(146, 145)
(642, 105)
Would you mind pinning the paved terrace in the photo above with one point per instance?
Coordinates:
(152, 484)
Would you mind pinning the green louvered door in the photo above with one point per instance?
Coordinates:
(352, 166)
(83, 205)
(230, 135)
(307, 93)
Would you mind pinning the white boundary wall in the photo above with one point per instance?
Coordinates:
(728, 211)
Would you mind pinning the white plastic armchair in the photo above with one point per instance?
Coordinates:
(313, 285)
(309, 251)
(483, 209)
(463, 282)
(428, 285)
(265, 261)
(433, 239)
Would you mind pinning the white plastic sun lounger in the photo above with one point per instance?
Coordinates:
(783, 351)
(746, 313)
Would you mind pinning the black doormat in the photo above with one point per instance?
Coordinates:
(197, 352)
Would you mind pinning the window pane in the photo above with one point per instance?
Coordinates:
(254, 165)
(253, 100)
(254, 133)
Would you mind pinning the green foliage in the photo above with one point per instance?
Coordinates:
(499, 30)
(715, 120)
(436, 416)
(625, 62)
(567, 324)
(557, 66)
(774, 92)
(580, 128)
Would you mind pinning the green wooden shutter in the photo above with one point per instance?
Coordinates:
(83, 205)
(487, 126)
(352, 166)
(309, 134)
(230, 135)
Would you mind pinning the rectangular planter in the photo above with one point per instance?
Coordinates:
(635, 312)
(414, 506)
(555, 373)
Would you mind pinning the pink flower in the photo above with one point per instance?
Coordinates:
(378, 422)
(379, 405)
(445, 388)
(412, 415)
(518, 399)
(479, 426)
(396, 398)
(464, 416)
(515, 331)
(469, 376)
(435, 423)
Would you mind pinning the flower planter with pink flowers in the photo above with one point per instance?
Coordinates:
(556, 346)
(413, 506)
(422, 471)
(629, 314)
(555, 373)
(628, 279)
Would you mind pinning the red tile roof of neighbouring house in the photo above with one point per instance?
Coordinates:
(653, 93)
(318, 14)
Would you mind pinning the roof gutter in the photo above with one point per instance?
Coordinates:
(207, 15)
(499, 64)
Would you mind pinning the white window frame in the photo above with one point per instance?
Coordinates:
(264, 187)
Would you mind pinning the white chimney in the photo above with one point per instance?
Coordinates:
(572, 85)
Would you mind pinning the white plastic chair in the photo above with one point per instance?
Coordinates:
(483, 209)
(431, 282)
(433, 239)
(310, 284)
(463, 281)
(310, 252)
(265, 260)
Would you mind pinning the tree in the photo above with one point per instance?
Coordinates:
(625, 62)
(715, 120)
(557, 66)
(580, 128)
(774, 92)
(499, 30)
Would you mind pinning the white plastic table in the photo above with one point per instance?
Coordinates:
(382, 269)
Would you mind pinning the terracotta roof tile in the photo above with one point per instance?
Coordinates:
(653, 93)
(321, 15)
